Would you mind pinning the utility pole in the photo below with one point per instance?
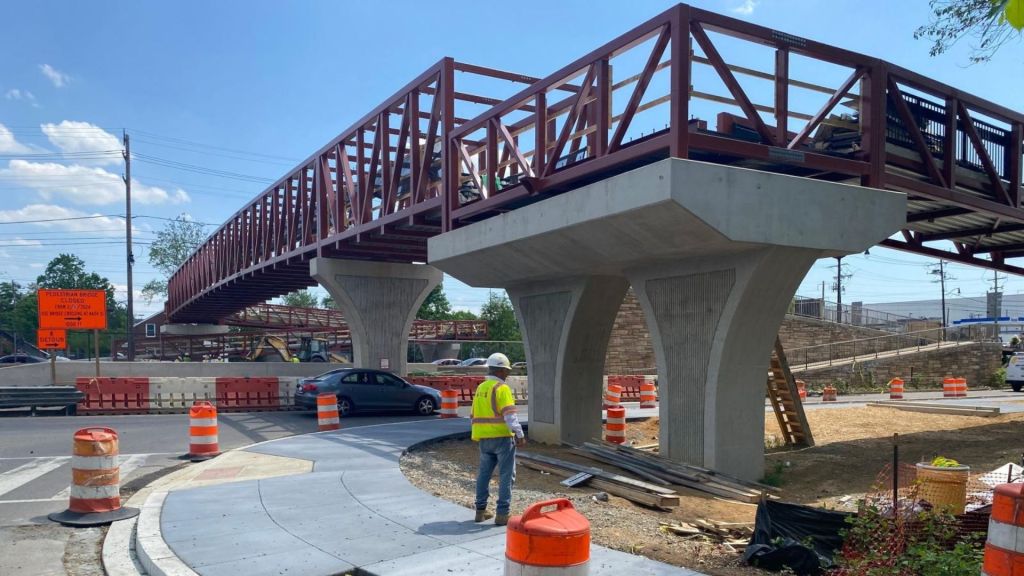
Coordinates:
(821, 312)
(838, 287)
(941, 273)
(130, 258)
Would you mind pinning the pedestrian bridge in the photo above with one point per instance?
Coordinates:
(705, 161)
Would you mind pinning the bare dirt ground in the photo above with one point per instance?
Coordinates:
(853, 445)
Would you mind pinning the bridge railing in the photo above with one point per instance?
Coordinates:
(381, 177)
(672, 87)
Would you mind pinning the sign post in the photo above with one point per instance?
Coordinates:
(74, 310)
(52, 341)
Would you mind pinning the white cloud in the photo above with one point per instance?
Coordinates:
(8, 144)
(58, 78)
(80, 137)
(37, 265)
(16, 94)
(747, 8)
(84, 185)
(55, 216)
(23, 242)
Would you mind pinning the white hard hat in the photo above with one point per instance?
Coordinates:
(498, 360)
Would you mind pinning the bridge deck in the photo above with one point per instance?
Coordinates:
(417, 166)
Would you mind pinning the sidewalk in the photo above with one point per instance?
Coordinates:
(345, 505)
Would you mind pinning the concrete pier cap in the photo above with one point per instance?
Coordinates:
(714, 254)
(379, 301)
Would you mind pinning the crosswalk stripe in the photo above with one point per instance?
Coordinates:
(28, 472)
(127, 464)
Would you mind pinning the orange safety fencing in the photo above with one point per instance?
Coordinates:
(248, 393)
(113, 395)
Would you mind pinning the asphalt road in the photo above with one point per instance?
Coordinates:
(35, 471)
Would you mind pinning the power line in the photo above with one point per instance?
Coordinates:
(62, 219)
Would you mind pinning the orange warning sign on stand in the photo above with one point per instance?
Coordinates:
(52, 339)
(73, 309)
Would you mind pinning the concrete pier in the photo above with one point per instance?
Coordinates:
(379, 301)
(713, 252)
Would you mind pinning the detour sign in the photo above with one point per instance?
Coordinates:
(73, 309)
(52, 339)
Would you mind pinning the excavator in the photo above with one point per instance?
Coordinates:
(275, 349)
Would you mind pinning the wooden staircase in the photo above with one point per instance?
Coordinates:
(785, 399)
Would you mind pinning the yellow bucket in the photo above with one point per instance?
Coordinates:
(945, 488)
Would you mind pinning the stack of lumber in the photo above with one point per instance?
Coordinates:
(663, 471)
(733, 536)
(938, 408)
(623, 486)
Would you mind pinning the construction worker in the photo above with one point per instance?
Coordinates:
(496, 428)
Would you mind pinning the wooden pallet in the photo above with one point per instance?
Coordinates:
(785, 400)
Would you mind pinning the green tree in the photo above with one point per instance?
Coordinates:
(500, 317)
(300, 299)
(328, 302)
(435, 306)
(991, 23)
(463, 315)
(173, 245)
(10, 294)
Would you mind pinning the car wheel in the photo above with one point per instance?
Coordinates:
(344, 406)
(1016, 385)
(425, 406)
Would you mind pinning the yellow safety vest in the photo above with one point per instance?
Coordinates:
(493, 399)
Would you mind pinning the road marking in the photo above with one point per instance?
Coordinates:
(28, 472)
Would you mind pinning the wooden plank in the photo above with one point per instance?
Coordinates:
(982, 411)
(596, 472)
(638, 496)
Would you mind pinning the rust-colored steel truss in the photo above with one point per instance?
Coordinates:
(412, 168)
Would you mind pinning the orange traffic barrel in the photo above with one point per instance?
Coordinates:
(203, 441)
(327, 417)
(613, 397)
(1005, 529)
(829, 394)
(615, 425)
(648, 395)
(896, 389)
(801, 389)
(541, 543)
(95, 493)
(954, 387)
(449, 403)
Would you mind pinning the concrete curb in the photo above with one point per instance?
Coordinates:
(154, 554)
(119, 556)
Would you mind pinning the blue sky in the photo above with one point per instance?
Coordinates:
(250, 88)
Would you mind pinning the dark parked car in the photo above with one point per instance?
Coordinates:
(367, 390)
(473, 362)
(447, 362)
(21, 359)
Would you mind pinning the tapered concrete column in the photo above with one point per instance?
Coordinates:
(379, 301)
(714, 254)
(713, 322)
(566, 325)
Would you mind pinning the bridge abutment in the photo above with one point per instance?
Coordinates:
(379, 301)
(714, 253)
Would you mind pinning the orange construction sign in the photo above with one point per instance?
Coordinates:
(52, 339)
(73, 309)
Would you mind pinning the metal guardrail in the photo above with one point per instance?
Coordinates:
(871, 348)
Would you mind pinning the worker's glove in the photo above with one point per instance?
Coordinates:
(520, 441)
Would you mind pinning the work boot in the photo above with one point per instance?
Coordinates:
(481, 515)
(500, 519)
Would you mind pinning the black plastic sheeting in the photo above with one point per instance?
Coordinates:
(782, 530)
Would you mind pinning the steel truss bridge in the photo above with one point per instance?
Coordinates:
(452, 147)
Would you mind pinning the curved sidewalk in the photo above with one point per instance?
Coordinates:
(355, 510)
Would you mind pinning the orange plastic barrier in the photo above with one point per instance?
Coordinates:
(1005, 530)
(648, 396)
(615, 425)
(556, 542)
(829, 394)
(113, 395)
(248, 393)
(954, 387)
(613, 396)
(203, 440)
(449, 404)
(896, 389)
(327, 417)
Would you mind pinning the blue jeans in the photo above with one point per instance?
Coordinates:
(500, 452)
